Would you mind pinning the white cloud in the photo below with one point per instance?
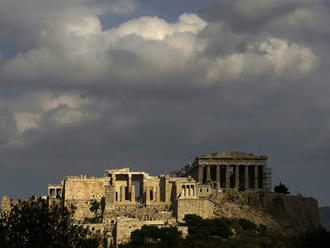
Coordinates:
(154, 28)
(26, 121)
(44, 110)
(273, 57)
(286, 57)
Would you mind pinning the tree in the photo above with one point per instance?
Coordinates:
(95, 208)
(154, 237)
(184, 171)
(35, 223)
(281, 188)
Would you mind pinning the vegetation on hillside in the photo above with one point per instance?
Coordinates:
(36, 224)
(281, 188)
(223, 233)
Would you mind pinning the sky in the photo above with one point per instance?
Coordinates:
(90, 85)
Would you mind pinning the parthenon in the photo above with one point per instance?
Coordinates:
(231, 170)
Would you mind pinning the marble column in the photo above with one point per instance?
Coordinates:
(147, 192)
(255, 177)
(200, 174)
(236, 176)
(129, 186)
(122, 193)
(227, 177)
(154, 191)
(246, 172)
(208, 173)
(218, 175)
(133, 193)
(167, 189)
(264, 177)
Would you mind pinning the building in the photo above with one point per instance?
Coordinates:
(231, 170)
(129, 199)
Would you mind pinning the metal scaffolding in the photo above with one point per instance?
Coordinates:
(268, 178)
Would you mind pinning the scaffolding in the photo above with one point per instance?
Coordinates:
(268, 178)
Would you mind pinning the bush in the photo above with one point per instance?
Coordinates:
(246, 224)
(34, 224)
(152, 236)
(222, 228)
(281, 188)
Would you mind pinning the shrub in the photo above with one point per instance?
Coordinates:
(33, 223)
(281, 188)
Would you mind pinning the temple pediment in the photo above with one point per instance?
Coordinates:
(231, 155)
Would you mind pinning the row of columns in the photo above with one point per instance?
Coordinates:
(236, 175)
(188, 191)
(122, 195)
(152, 194)
(55, 192)
(127, 193)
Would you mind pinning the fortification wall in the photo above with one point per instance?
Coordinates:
(126, 226)
(160, 212)
(202, 207)
(77, 188)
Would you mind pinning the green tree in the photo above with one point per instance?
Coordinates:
(34, 224)
(281, 188)
(150, 236)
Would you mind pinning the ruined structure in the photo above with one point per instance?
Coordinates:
(130, 199)
(231, 170)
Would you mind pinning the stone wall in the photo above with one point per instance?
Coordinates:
(202, 207)
(126, 226)
(5, 204)
(160, 212)
(82, 188)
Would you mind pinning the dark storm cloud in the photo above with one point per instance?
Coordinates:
(151, 94)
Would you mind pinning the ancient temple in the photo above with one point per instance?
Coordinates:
(231, 170)
(130, 199)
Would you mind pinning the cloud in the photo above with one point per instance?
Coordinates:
(273, 56)
(152, 93)
(42, 111)
(154, 28)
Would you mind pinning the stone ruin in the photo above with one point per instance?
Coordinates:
(130, 199)
(139, 198)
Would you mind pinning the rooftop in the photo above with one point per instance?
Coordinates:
(231, 155)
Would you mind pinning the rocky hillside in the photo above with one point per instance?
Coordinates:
(325, 217)
(285, 213)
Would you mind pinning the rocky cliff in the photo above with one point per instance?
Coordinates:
(286, 213)
(279, 212)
